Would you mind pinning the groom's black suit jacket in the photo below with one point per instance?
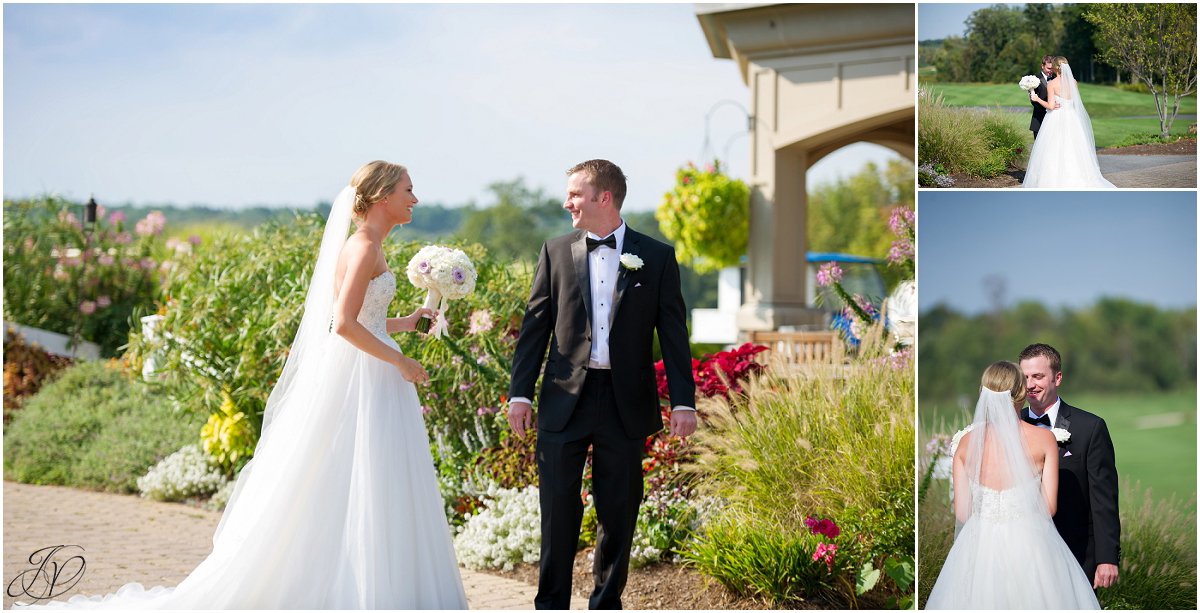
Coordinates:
(1039, 111)
(1087, 515)
(558, 315)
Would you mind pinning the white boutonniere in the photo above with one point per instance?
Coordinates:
(1061, 435)
(958, 437)
(632, 262)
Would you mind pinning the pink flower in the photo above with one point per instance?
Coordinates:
(116, 217)
(829, 274)
(481, 321)
(424, 410)
(901, 221)
(825, 553)
(87, 307)
(123, 238)
(148, 264)
(172, 243)
(193, 239)
(100, 211)
(901, 251)
(104, 302)
(106, 260)
(824, 527)
(151, 225)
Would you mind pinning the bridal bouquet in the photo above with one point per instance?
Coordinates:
(1029, 82)
(447, 274)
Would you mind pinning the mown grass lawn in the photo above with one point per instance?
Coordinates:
(1113, 111)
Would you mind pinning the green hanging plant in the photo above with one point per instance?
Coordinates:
(707, 216)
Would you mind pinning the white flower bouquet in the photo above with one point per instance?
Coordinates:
(1029, 82)
(447, 274)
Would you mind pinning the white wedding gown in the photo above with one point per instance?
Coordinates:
(1003, 559)
(340, 510)
(1064, 153)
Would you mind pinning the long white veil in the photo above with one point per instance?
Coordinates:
(1070, 91)
(302, 360)
(996, 460)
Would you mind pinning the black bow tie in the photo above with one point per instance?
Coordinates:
(610, 242)
(1040, 421)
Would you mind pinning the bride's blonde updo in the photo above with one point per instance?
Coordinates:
(372, 183)
(1058, 62)
(1005, 376)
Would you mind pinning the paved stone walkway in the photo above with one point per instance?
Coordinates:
(1140, 171)
(126, 538)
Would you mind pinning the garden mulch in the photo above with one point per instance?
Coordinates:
(658, 586)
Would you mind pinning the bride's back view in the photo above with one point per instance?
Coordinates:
(1007, 553)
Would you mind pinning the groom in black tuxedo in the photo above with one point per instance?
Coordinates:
(1087, 516)
(599, 293)
(1039, 111)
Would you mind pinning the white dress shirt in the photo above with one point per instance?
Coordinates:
(604, 264)
(1052, 412)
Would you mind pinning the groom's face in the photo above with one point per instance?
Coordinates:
(1048, 67)
(1041, 381)
(583, 202)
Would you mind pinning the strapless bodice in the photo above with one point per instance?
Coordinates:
(380, 291)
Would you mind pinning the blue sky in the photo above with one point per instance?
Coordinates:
(942, 20)
(1059, 248)
(235, 105)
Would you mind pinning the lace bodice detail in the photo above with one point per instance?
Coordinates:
(380, 292)
(996, 505)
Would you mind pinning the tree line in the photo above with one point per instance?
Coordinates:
(1114, 345)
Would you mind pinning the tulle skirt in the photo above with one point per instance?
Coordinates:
(1062, 155)
(1011, 564)
(339, 509)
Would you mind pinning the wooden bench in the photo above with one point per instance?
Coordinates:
(798, 347)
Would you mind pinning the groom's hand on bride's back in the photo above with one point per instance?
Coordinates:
(520, 417)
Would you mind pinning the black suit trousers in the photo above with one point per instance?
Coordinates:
(616, 492)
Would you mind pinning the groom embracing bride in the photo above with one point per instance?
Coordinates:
(599, 294)
(1063, 154)
(1011, 475)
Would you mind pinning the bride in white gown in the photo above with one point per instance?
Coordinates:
(339, 508)
(1007, 553)
(1064, 153)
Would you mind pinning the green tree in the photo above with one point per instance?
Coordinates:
(851, 214)
(516, 223)
(1156, 43)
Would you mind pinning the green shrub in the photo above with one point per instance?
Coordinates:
(231, 312)
(1144, 139)
(707, 216)
(88, 283)
(832, 441)
(92, 427)
(978, 143)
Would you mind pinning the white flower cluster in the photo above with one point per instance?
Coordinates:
(1029, 82)
(447, 271)
(183, 474)
(221, 497)
(506, 532)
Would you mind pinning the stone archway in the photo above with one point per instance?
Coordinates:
(821, 76)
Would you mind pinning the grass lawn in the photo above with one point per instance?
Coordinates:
(1108, 107)
(1154, 435)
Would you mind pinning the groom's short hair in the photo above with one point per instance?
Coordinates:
(604, 176)
(1046, 58)
(1045, 351)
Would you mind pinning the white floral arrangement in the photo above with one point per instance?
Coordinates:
(447, 274)
(1029, 82)
(632, 262)
(187, 473)
(1061, 435)
(505, 533)
(220, 498)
